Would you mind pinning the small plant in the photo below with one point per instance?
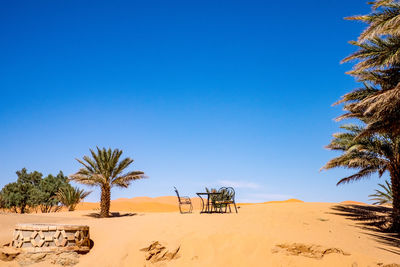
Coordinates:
(70, 196)
(217, 199)
(383, 197)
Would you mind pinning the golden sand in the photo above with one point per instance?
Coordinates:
(273, 234)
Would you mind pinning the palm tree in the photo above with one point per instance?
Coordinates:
(375, 146)
(105, 169)
(70, 196)
(372, 154)
(378, 64)
(383, 197)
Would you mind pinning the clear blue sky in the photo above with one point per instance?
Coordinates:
(199, 93)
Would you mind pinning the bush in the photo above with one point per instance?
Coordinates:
(31, 190)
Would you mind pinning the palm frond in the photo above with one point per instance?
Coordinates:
(125, 180)
(383, 197)
(70, 196)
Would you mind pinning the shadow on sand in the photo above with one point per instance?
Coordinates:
(112, 215)
(374, 220)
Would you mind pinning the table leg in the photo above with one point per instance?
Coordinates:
(208, 203)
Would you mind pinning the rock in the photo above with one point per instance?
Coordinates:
(66, 258)
(311, 251)
(60, 258)
(8, 253)
(156, 252)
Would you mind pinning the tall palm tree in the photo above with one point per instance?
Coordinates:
(105, 169)
(375, 147)
(369, 154)
(71, 196)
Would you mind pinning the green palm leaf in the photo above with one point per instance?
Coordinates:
(383, 197)
(70, 196)
(105, 169)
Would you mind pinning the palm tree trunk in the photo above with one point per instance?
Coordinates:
(395, 180)
(105, 201)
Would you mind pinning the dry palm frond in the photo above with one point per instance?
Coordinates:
(384, 19)
(368, 155)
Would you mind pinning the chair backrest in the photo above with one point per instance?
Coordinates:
(177, 194)
(228, 193)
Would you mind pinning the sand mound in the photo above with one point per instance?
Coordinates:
(310, 251)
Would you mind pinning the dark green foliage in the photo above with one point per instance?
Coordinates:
(32, 191)
(383, 196)
(44, 195)
(1, 202)
(17, 196)
(70, 196)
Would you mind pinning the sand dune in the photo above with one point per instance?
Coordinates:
(157, 204)
(292, 200)
(350, 202)
(293, 234)
(142, 204)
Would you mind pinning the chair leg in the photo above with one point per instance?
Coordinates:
(235, 207)
(180, 208)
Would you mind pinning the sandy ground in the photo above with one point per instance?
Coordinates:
(273, 234)
(142, 204)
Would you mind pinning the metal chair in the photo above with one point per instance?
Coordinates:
(227, 198)
(184, 201)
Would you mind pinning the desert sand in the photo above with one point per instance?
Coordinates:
(142, 204)
(291, 233)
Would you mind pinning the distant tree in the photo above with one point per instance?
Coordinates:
(44, 194)
(1, 202)
(17, 196)
(383, 196)
(13, 195)
(71, 196)
(105, 169)
(32, 191)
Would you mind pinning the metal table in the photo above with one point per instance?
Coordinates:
(207, 208)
